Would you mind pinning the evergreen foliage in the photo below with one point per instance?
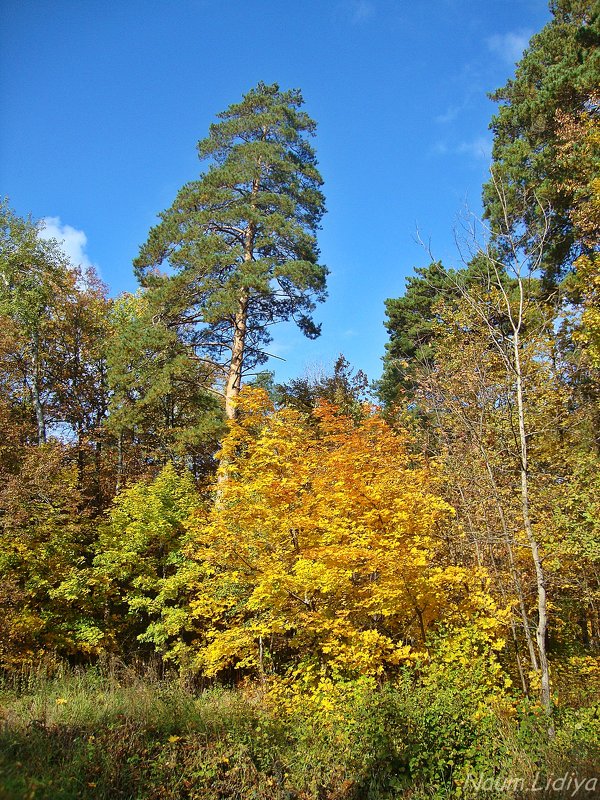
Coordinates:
(558, 74)
(240, 240)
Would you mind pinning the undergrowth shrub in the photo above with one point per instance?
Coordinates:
(97, 736)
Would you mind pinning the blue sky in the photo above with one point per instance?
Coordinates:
(103, 102)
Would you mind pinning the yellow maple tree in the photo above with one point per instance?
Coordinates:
(326, 545)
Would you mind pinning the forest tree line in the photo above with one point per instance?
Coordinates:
(161, 497)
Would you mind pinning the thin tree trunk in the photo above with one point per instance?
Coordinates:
(514, 368)
(98, 476)
(542, 625)
(511, 561)
(120, 469)
(35, 391)
(80, 460)
(500, 584)
(513, 627)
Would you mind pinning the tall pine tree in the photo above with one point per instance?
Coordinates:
(558, 74)
(240, 241)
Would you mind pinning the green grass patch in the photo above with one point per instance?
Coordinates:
(106, 735)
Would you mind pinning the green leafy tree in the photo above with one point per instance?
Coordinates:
(52, 351)
(413, 324)
(558, 73)
(344, 388)
(412, 327)
(161, 405)
(46, 541)
(240, 241)
(141, 572)
(32, 272)
(76, 335)
(17, 423)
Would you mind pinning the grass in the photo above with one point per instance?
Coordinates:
(113, 733)
(90, 734)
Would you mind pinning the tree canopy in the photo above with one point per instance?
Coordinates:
(240, 240)
(558, 74)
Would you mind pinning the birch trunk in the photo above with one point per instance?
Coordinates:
(542, 606)
(35, 391)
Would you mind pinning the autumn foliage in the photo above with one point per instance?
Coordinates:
(435, 561)
(326, 547)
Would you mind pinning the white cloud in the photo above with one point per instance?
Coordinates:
(509, 46)
(72, 241)
(360, 10)
(448, 116)
(481, 147)
(441, 149)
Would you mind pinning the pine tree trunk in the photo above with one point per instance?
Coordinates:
(234, 375)
(240, 326)
(234, 378)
